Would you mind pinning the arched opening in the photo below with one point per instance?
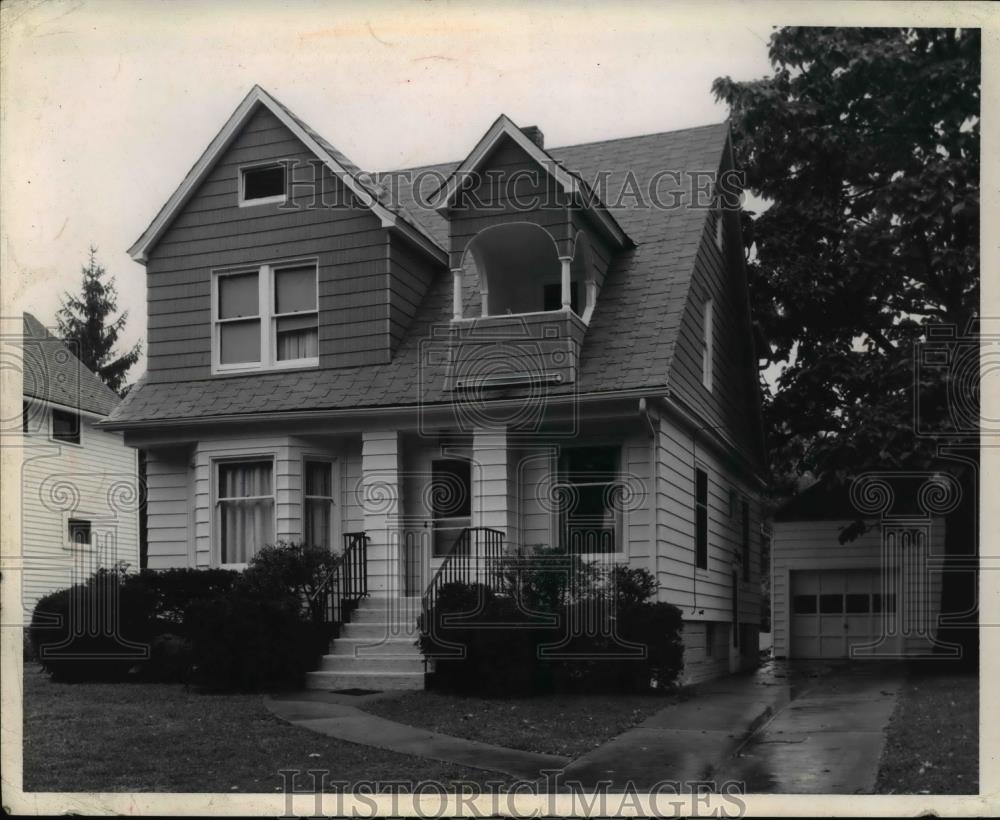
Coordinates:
(519, 270)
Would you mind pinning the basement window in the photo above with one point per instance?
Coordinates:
(263, 184)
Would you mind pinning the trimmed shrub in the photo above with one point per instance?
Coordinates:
(599, 633)
(245, 642)
(93, 631)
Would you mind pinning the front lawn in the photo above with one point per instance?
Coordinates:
(932, 744)
(567, 725)
(161, 737)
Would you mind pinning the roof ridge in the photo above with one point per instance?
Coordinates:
(563, 147)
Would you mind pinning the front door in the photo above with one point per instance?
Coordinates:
(450, 503)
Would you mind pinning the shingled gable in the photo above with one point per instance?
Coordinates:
(53, 374)
(629, 346)
(571, 183)
(368, 194)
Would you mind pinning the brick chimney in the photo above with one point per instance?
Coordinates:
(534, 133)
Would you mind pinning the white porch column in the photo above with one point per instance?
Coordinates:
(381, 499)
(492, 482)
(456, 295)
(567, 299)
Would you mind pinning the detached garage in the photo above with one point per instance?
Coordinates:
(832, 600)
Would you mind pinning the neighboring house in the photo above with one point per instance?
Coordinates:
(489, 349)
(79, 499)
(876, 595)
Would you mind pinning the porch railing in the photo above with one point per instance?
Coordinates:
(347, 582)
(476, 558)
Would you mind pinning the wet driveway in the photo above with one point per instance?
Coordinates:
(828, 739)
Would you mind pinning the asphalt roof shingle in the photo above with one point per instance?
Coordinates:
(52, 373)
(628, 345)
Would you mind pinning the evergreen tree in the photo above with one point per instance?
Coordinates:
(86, 323)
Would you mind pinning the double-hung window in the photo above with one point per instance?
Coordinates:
(245, 507)
(319, 503)
(266, 318)
(591, 499)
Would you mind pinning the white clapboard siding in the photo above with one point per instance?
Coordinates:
(97, 481)
(184, 480)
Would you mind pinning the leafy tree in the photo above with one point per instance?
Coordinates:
(864, 145)
(85, 321)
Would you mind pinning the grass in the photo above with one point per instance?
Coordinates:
(567, 725)
(164, 738)
(932, 743)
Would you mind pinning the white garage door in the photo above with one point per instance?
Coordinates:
(833, 610)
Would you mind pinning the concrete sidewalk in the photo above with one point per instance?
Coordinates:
(689, 740)
(332, 715)
(829, 740)
(692, 740)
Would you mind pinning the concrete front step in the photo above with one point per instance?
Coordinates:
(366, 647)
(384, 615)
(378, 631)
(378, 681)
(385, 663)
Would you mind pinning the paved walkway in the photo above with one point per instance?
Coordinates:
(331, 714)
(688, 741)
(683, 742)
(829, 741)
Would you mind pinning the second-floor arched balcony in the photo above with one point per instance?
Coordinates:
(519, 270)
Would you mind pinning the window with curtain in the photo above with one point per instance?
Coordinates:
(318, 503)
(245, 494)
(591, 512)
(266, 317)
(296, 329)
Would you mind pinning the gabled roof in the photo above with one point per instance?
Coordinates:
(369, 194)
(629, 345)
(572, 183)
(52, 373)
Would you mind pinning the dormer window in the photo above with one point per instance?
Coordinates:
(265, 318)
(707, 345)
(263, 184)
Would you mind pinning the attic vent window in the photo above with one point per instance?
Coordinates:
(262, 184)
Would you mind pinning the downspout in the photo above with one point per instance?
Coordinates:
(654, 446)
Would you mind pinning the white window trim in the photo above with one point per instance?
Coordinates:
(90, 546)
(265, 314)
(336, 525)
(216, 522)
(277, 199)
(52, 427)
(708, 345)
(621, 522)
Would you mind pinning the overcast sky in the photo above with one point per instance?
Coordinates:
(107, 104)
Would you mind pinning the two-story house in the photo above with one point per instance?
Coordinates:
(79, 484)
(532, 345)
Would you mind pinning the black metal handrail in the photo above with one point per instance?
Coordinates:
(347, 582)
(477, 558)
